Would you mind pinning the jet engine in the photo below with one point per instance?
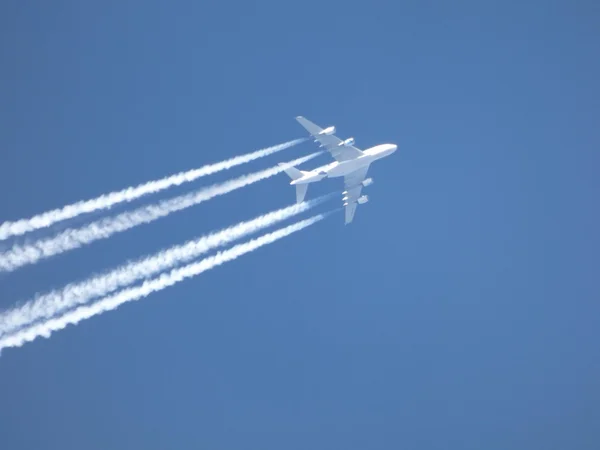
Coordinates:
(347, 143)
(367, 182)
(360, 200)
(328, 131)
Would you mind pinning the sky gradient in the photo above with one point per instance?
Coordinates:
(459, 310)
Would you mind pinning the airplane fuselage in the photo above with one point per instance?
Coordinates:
(343, 168)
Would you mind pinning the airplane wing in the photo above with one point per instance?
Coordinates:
(330, 142)
(353, 187)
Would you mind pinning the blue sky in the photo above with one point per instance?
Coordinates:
(459, 310)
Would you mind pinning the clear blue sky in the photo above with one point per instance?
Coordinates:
(460, 310)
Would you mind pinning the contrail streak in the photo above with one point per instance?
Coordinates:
(159, 283)
(74, 294)
(19, 227)
(21, 255)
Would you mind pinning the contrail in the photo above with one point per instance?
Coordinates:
(74, 294)
(161, 282)
(19, 227)
(21, 255)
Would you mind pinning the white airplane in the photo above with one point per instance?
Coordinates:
(350, 163)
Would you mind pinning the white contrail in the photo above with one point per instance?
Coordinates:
(19, 227)
(70, 239)
(161, 282)
(57, 301)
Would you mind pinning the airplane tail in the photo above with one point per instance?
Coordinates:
(301, 192)
(292, 172)
(301, 189)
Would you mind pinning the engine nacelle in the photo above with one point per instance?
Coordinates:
(347, 143)
(328, 131)
(367, 182)
(363, 199)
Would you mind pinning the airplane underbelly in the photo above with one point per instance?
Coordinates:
(344, 168)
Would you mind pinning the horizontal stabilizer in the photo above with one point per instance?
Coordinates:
(292, 172)
(301, 192)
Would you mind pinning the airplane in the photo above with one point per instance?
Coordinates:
(350, 163)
